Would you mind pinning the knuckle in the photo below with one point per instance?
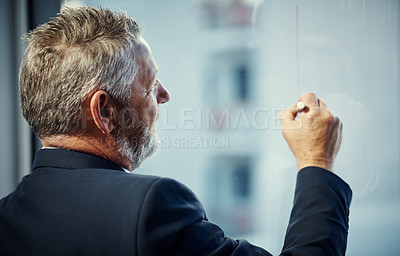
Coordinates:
(308, 98)
(322, 103)
(329, 117)
(309, 94)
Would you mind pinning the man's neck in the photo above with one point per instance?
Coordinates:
(100, 146)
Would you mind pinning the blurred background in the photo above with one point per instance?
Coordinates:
(231, 66)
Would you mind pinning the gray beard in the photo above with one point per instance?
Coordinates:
(137, 144)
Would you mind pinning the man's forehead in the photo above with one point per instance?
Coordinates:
(142, 48)
(144, 42)
(145, 60)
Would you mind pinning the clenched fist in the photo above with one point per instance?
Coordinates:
(315, 135)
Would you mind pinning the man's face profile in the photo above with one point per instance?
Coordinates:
(136, 135)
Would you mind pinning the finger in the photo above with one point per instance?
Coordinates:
(325, 110)
(310, 99)
(289, 113)
(322, 104)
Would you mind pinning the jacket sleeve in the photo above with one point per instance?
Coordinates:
(173, 222)
(319, 219)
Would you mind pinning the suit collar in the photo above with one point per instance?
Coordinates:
(68, 159)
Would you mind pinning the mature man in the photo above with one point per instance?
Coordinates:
(89, 90)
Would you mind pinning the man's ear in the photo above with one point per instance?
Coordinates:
(103, 111)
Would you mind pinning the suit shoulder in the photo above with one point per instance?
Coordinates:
(169, 195)
(170, 186)
(156, 182)
(159, 187)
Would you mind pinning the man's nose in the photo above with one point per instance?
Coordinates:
(162, 94)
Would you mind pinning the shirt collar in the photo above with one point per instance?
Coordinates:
(69, 159)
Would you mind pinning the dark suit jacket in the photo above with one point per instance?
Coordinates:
(79, 204)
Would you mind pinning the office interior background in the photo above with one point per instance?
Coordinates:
(230, 67)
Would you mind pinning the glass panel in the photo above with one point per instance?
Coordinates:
(252, 59)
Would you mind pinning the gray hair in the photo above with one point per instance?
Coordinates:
(70, 57)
